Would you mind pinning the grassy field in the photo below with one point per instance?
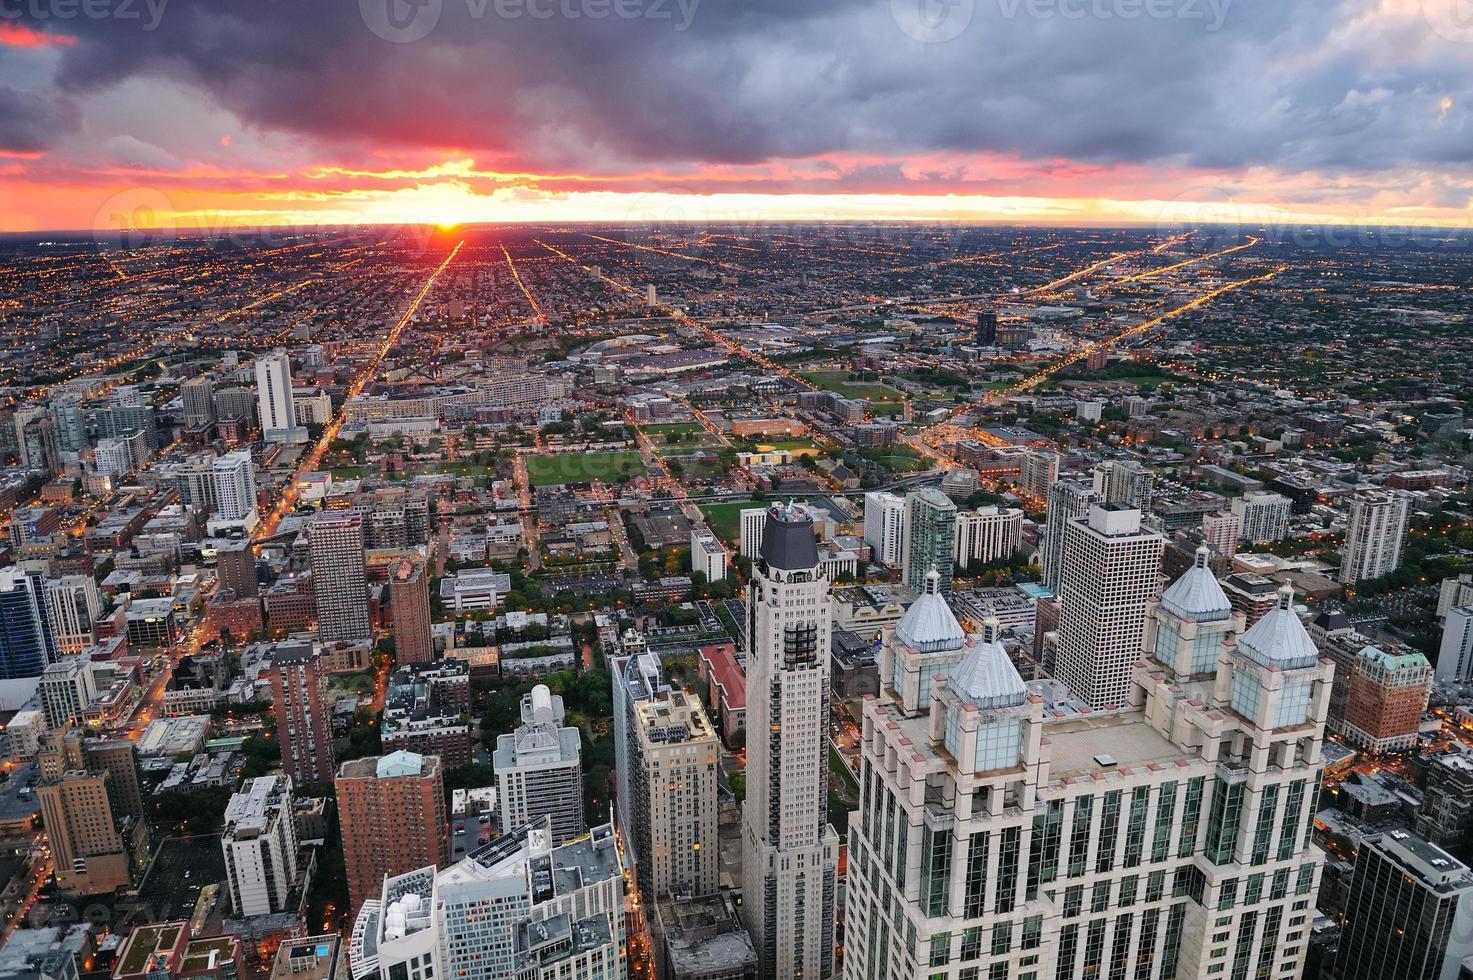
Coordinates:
(582, 467)
(886, 408)
(726, 519)
(660, 428)
(838, 382)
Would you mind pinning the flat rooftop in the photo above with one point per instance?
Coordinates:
(1124, 736)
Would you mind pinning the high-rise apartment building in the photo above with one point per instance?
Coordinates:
(1409, 913)
(539, 769)
(1455, 655)
(198, 395)
(118, 757)
(260, 844)
(884, 526)
(707, 554)
(1374, 535)
(235, 485)
(66, 687)
(671, 823)
(26, 644)
(1123, 481)
(74, 603)
(987, 534)
(1387, 694)
(339, 582)
(69, 423)
(1000, 834)
(274, 392)
(409, 604)
(303, 714)
(1040, 470)
(1067, 500)
(637, 678)
(520, 908)
(237, 403)
(930, 538)
(789, 851)
(1221, 531)
(1265, 515)
(1111, 567)
(235, 569)
(86, 848)
(749, 541)
(393, 819)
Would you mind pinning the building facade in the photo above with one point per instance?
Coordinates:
(987, 534)
(339, 584)
(539, 769)
(1001, 834)
(1111, 568)
(393, 819)
(930, 538)
(1067, 499)
(884, 526)
(789, 851)
(1374, 536)
(303, 714)
(260, 844)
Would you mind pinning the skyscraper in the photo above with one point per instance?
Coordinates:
(1409, 912)
(235, 569)
(1265, 515)
(260, 844)
(1067, 499)
(74, 603)
(539, 769)
(520, 908)
(986, 328)
(929, 539)
(1123, 481)
(235, 485)
(636, 678)
(1001, 835)
(26, 645)
(339, 584)
(409, 603)
(1040, 470)
(884, 526)
(274, 392)
(393, 819)
(987, 534)
(198, 395)
(750, 541)
(1374, 535)
(789, 852)
(1110, 569)
(69, 423)
(671, 824)
(303, 714)
(1455, 655)
(89, 854)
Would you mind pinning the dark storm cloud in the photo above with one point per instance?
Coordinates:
(28, 122)
(1214, 83)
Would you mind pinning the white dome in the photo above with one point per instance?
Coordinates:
(1196, 596)
(986, 676)
(1279, 639)
(929, 625)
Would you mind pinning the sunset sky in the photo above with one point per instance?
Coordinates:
(228, 113)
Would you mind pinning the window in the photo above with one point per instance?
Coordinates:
(1080, 837)
(1109, 832)
(1165, 816)
(1293, 704)
(1246, 694)
(1222, 824)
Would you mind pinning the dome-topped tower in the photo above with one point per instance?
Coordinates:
(929, 625)
(986, 676)
(1196, 595)
(1279, 640)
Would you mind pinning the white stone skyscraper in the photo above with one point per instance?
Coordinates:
(1003, 833)
(789, 852)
